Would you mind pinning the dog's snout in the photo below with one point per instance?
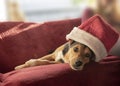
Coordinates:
(78, 63)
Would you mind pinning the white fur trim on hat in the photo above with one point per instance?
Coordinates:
(89, 40)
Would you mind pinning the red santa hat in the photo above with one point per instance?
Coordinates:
(97, 34)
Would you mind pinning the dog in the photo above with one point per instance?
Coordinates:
(72, 52)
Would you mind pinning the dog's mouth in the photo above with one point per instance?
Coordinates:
(77, 68)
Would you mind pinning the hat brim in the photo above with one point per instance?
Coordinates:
(89, 40)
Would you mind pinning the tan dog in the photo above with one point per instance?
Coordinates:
(73, 53)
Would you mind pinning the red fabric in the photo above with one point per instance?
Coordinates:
(99, 28)
(21, 41)
(105, 73)
(89, 13)
(1, 76)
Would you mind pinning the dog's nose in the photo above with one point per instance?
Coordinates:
(78, 63)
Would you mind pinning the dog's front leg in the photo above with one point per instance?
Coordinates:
(48, 59)
(35, 62)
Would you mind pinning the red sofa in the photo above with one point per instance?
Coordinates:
(21, 41)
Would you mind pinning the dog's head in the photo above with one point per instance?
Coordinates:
(77, 55)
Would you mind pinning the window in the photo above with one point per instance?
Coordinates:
(47, 10)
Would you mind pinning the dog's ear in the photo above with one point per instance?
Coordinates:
(92, 57)
(66, 48)
(71, 42)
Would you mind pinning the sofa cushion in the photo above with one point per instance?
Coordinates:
(1, 75)
(105, 73)
(20, 41)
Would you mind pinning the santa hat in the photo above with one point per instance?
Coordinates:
(97, 34)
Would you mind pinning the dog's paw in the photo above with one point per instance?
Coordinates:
(31, 62)
(20, 67)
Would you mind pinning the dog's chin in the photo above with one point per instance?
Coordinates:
(77, 68)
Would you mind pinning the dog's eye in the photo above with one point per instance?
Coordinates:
(87, 55)
(76, 49)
